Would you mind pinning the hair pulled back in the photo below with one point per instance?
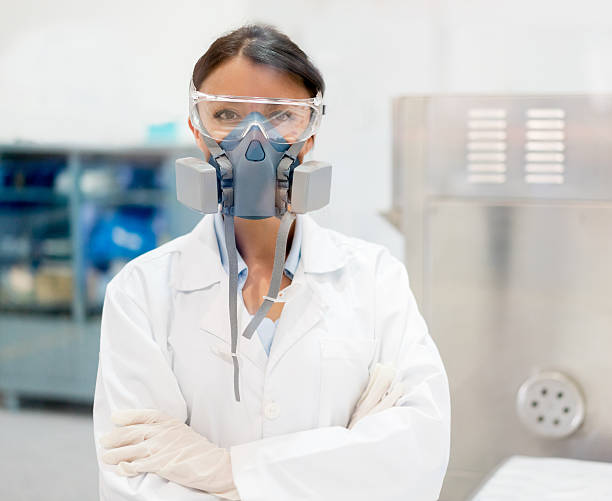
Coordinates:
(262, 44)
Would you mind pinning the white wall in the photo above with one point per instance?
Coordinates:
(85, 71)
(89, 71)
(541, 46)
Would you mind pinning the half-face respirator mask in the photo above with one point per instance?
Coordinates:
(253, 172)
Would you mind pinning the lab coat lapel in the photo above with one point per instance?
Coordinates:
(215, 320)
(300, 314)
(215, 311)
(252, 349)
(198, 265)
(199, 271)
(319, 255)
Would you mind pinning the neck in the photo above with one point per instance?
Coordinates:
(256, 239)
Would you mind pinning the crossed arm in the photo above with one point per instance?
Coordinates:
(395, 451)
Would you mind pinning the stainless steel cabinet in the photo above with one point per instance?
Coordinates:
(506, 207)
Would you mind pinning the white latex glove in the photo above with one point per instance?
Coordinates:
(147, 440)
(379, 394)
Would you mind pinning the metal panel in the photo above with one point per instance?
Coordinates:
(514, 289)
(505, 205)
(409, 152)
(583, 153)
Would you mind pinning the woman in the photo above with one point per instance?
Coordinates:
(312, 419)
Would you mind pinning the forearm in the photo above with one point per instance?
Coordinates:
(146, 487)
(400, 453)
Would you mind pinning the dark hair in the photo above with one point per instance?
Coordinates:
(262, 44)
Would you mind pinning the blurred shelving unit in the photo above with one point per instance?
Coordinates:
(70, 217)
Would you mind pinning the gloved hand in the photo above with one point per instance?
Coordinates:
(378, 395)
(147, 440)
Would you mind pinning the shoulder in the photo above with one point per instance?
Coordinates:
(153, 267)
(363, 254)
(187, 263)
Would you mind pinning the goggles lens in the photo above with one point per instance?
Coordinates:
(283, 121)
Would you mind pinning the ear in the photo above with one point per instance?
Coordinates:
(308, 145)
(198, 139)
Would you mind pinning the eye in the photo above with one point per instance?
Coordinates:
(226, 114)
(281, 116)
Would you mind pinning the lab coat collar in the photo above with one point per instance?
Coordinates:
(215, 320)
(302, 311)
(320, 252)
(199, 262)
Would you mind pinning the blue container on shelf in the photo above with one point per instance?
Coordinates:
(121, 235)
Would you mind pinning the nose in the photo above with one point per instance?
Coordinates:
(255, 152)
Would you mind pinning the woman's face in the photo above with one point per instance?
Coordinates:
(241, 77)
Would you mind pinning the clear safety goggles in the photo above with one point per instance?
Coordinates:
(283, 121)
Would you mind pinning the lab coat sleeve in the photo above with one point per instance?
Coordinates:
(133, 372)
(398, 454)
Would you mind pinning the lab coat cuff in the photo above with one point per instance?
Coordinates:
(244, 471)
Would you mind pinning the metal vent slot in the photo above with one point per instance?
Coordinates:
(478, 135)
(556, 168)
(545, 157)
(487, 124)
(487, 178)
(544, 179)
(545, 135)
(486, 145)
(545, 113)
(545, 146)
(487, 167)
(546, 124)
(545, 140)
(487, 113)
(486, 157)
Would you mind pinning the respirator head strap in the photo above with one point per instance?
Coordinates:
(232, 254)
(282, 238)
(227, 186)
(225, 173)
(283, 175)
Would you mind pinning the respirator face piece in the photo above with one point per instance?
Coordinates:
(255, 160)
(253, 172)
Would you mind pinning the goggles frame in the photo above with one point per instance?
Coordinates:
(195, 96)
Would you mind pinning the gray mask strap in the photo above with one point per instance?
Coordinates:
(282, 177)
(232, 255)
(226, 171)
(277, 274)
(215, 150)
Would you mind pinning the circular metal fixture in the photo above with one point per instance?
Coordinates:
(550, 405)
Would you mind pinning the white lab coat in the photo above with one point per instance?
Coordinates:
(165, 344)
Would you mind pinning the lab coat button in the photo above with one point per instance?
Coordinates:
(272, 410)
